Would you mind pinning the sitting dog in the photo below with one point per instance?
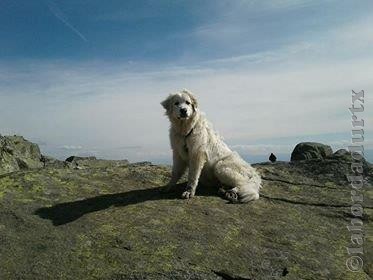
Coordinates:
(197, 147)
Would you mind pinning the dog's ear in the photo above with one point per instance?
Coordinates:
(192, 98)
(167, 102)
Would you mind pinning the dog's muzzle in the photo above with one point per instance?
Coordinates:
(183, 113)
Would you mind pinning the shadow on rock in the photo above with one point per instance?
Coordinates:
(67, 212)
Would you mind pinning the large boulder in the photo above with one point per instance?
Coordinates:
(16, 153)
(311, 150)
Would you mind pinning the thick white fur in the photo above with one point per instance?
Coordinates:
(197, 147)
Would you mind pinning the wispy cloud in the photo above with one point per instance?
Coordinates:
(71, 147)
(284, 4)
(56, 11)
(266, 56)
(262, 149)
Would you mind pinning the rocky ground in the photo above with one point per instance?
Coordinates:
(94, 219)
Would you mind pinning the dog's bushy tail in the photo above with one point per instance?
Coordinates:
(250, 184)
(249, 192)
(248, 189)
(245, 179)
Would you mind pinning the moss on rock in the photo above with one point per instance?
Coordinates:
(112, 222)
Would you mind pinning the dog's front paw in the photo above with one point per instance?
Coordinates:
(189, 193)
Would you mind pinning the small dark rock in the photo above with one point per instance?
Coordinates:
(75, 158)
(285, 272)
(226, 275)
(272, 158)
(128, 247)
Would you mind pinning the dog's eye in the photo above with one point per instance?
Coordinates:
(177, 103)
(187, 103)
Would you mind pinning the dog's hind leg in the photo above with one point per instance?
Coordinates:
(241, 177)
(247, 193)
(240, 194)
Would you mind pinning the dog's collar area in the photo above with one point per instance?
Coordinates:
(189, 133)
(185, 137)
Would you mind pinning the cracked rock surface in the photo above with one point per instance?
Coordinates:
(113, 222)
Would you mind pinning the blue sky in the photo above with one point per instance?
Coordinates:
(86, 77)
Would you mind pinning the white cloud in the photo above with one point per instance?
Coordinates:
(245, 105)
(71, 147)
(261, 149)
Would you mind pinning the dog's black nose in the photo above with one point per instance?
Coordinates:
(183, 112)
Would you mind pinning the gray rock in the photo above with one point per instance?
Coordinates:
(344, 155)
(16, 153)
(341, 152)
(115, 223)
(79, 163)
(53, 163)
(310, 150)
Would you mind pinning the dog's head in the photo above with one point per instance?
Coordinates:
(181, 105)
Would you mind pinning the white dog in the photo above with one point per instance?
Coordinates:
(196, 146)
